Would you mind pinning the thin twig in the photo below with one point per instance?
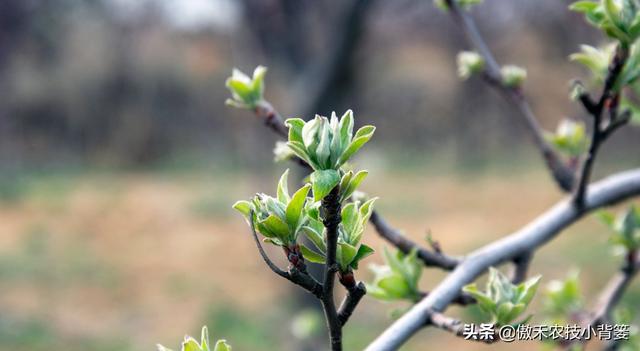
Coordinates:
(264, 255)
(615, 289)
(521, 267)
(609, 297)
(350, 302)
(430, 258)
(601, 131)
(294, 275)
(562, 174)
(272, 118)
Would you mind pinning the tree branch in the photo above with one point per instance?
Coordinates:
(405, 245)
(614, 290)
(272, 119)
(609, 297)
(563, 175)
(600, 132)
(521, 264)
(294, 275)
(331, 219)
(463, 299)
(547, 226)
(355, 293)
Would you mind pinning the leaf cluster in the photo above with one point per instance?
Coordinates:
(618, 19)
(246, 92)
(398, 278)
(502, 300)
(191, 344)
(570, 138)
(279, 219)
(625, 227)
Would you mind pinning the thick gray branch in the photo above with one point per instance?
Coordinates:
(608, 191)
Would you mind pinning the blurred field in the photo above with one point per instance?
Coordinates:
(123, 260)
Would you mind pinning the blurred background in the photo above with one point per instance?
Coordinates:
(119, 161)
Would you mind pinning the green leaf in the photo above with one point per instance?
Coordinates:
(240, 90)
(344, 182)
(222, 345)
(273, 241)
(295, 207)
(204, 338)
(516, 311)
(513, 76)
(311, 255)
(283, 189)
(352, 184)
(300, 151)
(357, 143)
(606, 217)
(162, 348)
(315, 237)
(469, 63)
(363, 252)
(295, 129)
(267, 232)
(530, 288)
(485, 303)
(612, 10)
(378, 293)
(276, 226)
(365, 131)
(345, 255)
(323, 181)
(336, 142)
(346, 128)
(595, 59)
(392, 260)
(243, 207)
(310, 131)
(323, 151)
(349, 216)
(395, 286)
(346, 179)
(584, 6)
(367, 208)
(190, 344)
(503, 312)
(258, 80)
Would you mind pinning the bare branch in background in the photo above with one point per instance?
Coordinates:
(563, 175)
(610, 297)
